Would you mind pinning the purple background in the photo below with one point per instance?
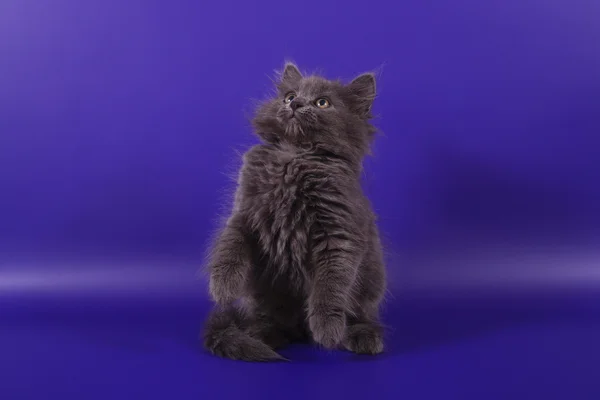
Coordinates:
(119, 125)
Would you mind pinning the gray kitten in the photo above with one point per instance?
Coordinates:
(301, 250)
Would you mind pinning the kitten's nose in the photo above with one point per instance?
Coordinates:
(297, 103)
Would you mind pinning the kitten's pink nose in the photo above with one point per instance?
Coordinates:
(297, 103)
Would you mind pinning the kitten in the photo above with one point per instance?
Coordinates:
(301, 251)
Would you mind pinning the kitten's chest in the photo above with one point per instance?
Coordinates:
(279, 208)
(279, 190)
(284, 175)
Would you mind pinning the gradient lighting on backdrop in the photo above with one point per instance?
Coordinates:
(120, 123)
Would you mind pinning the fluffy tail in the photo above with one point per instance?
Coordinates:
(225, 335)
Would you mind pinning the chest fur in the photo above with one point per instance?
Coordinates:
(278, 203)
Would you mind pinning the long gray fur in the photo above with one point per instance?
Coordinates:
(300, 256)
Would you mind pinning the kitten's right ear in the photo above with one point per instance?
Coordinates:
(291, 74)
(363, 90)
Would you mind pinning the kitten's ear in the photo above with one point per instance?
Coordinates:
(363, 90)
(291, 74)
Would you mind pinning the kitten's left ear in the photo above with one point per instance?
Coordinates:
(291, 74)
(363, 90)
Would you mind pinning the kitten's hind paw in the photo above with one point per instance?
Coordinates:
(364, 339)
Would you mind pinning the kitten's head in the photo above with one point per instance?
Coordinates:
(315, 112)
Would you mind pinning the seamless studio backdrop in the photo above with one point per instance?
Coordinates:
(121, 124)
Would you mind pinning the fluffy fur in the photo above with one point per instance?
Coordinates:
(300, 256)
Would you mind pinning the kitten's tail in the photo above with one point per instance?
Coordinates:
(225, 336)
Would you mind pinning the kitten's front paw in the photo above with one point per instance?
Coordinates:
(226, 283)
(328, 329)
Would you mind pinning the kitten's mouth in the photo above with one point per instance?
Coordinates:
(296, 118)
(286, 115)
(292, 122)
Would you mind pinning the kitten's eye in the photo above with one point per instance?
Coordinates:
(290, 97)
(322, 103)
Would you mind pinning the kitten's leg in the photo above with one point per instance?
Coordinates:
(230, 262)
(364, 334)
(335, 265)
